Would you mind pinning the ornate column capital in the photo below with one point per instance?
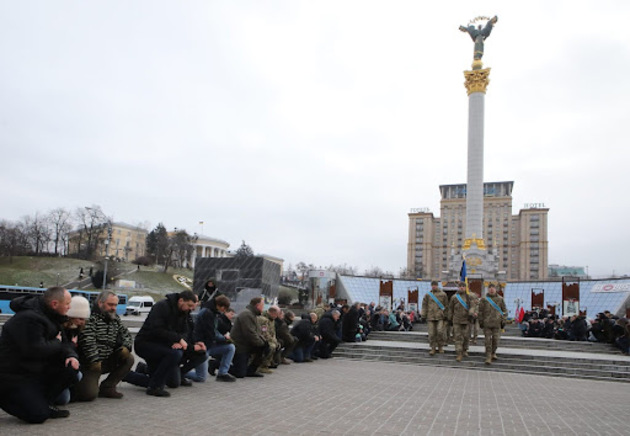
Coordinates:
(477, 80)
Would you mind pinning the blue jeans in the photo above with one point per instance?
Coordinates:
(225, 351)
(64, 397)
(302, 352)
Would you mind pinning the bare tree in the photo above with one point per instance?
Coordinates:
(344, 270)
(92, 222)
(37, 231)
(60, 226)
(178, 248)
(406, 273)
(376, 271)
(13, 241)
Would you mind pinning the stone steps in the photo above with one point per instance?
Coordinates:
(506, 341)
(540, 362)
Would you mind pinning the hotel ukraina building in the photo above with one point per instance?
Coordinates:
(519, 241)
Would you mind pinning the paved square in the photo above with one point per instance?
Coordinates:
(347, 397)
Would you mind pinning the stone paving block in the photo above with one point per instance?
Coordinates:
(348, 397)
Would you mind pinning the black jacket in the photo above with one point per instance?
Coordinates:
(350, 325)
(304, 330)
(327, 328)
(29, 340)
(206, 328)
(166, 324)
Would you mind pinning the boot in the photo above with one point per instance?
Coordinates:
(494, 356)
(441, 350)
(265, 370)
(488, 359)
(109, 393)
(465, 353)
(459, 357)
(432, 352)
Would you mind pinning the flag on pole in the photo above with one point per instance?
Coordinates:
(462, 272)
(520, 315)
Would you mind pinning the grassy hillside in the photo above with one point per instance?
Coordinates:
(29, 271)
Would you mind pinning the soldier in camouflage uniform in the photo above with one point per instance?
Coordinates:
(435, 317)
(492, 321)
(267, 323)
(474, 323)
(459, 313)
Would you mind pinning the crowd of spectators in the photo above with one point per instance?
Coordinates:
(606, 328)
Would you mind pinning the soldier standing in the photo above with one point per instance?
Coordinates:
(474, 322)
(434, 311)
(492, 316)
(459, 311)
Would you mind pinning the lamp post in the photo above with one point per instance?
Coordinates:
(109, 236)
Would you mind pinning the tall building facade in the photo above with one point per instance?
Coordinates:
(519, 242)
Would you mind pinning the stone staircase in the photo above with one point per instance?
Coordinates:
(549, 357)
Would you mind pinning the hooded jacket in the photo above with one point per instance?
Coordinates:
(30, 339)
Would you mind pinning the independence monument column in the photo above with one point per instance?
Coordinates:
(478, 260)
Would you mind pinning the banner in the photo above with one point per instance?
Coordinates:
(611, 287)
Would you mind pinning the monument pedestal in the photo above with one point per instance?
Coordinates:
(480, 262)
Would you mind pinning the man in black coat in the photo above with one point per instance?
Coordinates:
(306, 333)
(350, 323)
(36, 361)
(327, 330)
(164, 342)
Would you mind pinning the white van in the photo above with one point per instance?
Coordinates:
(138, 305)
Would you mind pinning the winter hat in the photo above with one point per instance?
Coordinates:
(79, 308)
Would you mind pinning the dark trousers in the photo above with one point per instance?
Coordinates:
(28, 398)
(245, 363)
(302, 351)
(167, 365)
(117, 365)
(326, 348)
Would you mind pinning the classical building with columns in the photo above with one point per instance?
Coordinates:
(205, 246)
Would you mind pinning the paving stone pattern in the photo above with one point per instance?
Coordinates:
(348, 397)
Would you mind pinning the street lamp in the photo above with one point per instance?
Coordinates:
(109, 237)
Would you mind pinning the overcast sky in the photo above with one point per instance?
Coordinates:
(310, 129)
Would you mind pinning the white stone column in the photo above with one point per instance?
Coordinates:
(476, 84)
(474, 184)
